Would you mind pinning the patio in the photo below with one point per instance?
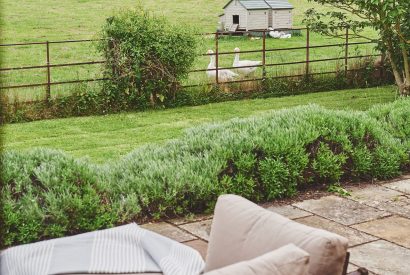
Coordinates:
(375, 219)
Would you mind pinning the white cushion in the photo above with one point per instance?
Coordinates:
(288, 259)
(241, 231)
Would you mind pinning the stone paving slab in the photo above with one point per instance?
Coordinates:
(402, 186)
(375, 195)
(199, 245)
(341, 210)
(382, 257)
(383, 198)
(289, 211)
(401, 207)
(195, 218)
(354, 236)
(352, 268)
(394, 229)
(169, 231)
(201, 229)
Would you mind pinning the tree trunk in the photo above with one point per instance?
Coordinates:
(402, 77)
(406, 82)
(404, 90)
(402, 82)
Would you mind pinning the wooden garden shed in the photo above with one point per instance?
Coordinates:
(256, 15)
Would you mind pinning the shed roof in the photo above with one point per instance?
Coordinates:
(279, 4)
(255, 4)
(263, 4)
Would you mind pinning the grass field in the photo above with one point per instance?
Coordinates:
(33, 20)
(109, 137)
(26, 20)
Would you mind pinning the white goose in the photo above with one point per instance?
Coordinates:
(223, 75)
(244, 63)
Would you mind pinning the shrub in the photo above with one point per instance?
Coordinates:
(396, 117)
(91, 99)
(49, 194)
(146, 57)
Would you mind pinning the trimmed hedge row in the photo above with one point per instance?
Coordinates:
(49, 194)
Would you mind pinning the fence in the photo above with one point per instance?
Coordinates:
(48, 66)
(306, 62)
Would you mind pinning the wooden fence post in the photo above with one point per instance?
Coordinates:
(307, 51)
(48, 92)
(264, 55)
(346, 51)
(216, 57)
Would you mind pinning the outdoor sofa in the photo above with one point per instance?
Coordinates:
(247, 239)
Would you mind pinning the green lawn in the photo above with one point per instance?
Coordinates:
(109, 137)
(30, 20)
(33, 20)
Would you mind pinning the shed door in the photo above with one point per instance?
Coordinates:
(235, 19)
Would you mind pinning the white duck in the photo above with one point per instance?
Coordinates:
(223, 75)
(244, 63)
(286, 36)
(272, 33)
(276, 34)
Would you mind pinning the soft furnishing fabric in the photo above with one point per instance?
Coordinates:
(124, 249)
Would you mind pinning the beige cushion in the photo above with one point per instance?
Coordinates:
(241, 231)
(288, 259)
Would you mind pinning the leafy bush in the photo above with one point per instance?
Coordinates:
(146, 57)
(395, 117)
(49, 194)
(91, 99)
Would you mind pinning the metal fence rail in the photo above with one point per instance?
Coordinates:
(307, 61)
(48, 66)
